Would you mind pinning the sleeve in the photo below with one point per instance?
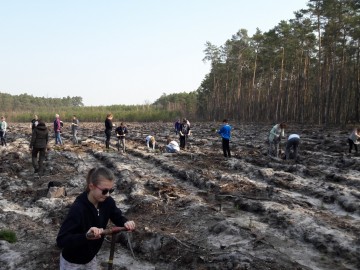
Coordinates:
(273, 130)
(116, 215)
(33, 137)
(71, 233)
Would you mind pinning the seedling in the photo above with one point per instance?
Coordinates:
(8, 235)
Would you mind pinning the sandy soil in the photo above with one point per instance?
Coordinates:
(195, 209)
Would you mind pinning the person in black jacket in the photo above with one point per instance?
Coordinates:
(80, 234)
(121, 132)
(184, 133)
(108, 128)
(38, 145)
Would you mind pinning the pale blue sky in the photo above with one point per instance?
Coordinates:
(117, 51)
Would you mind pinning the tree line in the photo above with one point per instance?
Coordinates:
(302, 70)
(22, 108)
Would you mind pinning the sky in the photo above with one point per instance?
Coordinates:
(120, 52)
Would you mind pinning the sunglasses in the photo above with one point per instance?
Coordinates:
(105, 191)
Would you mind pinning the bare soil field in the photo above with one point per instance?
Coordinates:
(195, 209)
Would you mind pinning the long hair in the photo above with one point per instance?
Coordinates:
(95, 175)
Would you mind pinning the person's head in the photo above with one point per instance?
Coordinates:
(282, 125)
(2, 118)
(100, 183)
(57, 116)
(121, 124)
(36, 117)
(184, 120)
(225, 121)
(168, 140)
(109, 116)
(74, 116)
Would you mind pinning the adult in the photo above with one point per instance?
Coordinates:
(121, 132)
(3, 129)
(353, 139)
(34, 122)
(57, 129)
(150, 142)
(80, 235)
(172, 146)
(108, 129)
(38, 144)
(74, 129)
(184, 132)
(225, 132)
(276, 133)
(292, 144)
(177, 126)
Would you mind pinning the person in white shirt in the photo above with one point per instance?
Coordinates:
(292, 143)
(172, 146)
(150, 142)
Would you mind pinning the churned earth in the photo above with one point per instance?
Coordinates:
(195, 209)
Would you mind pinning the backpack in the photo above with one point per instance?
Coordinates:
(120, 131)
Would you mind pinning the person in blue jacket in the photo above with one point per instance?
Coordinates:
(80, 235)
(225, 132)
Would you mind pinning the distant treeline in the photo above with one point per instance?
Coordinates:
(22, 108)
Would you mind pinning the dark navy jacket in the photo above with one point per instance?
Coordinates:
(83, 215)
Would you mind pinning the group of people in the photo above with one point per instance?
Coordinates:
(172, 146)
(40, 138)
(293, 141)
(276, 134)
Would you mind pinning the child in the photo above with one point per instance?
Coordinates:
(80, 234)
(121, 131)
(172, 146)
(150, 142)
